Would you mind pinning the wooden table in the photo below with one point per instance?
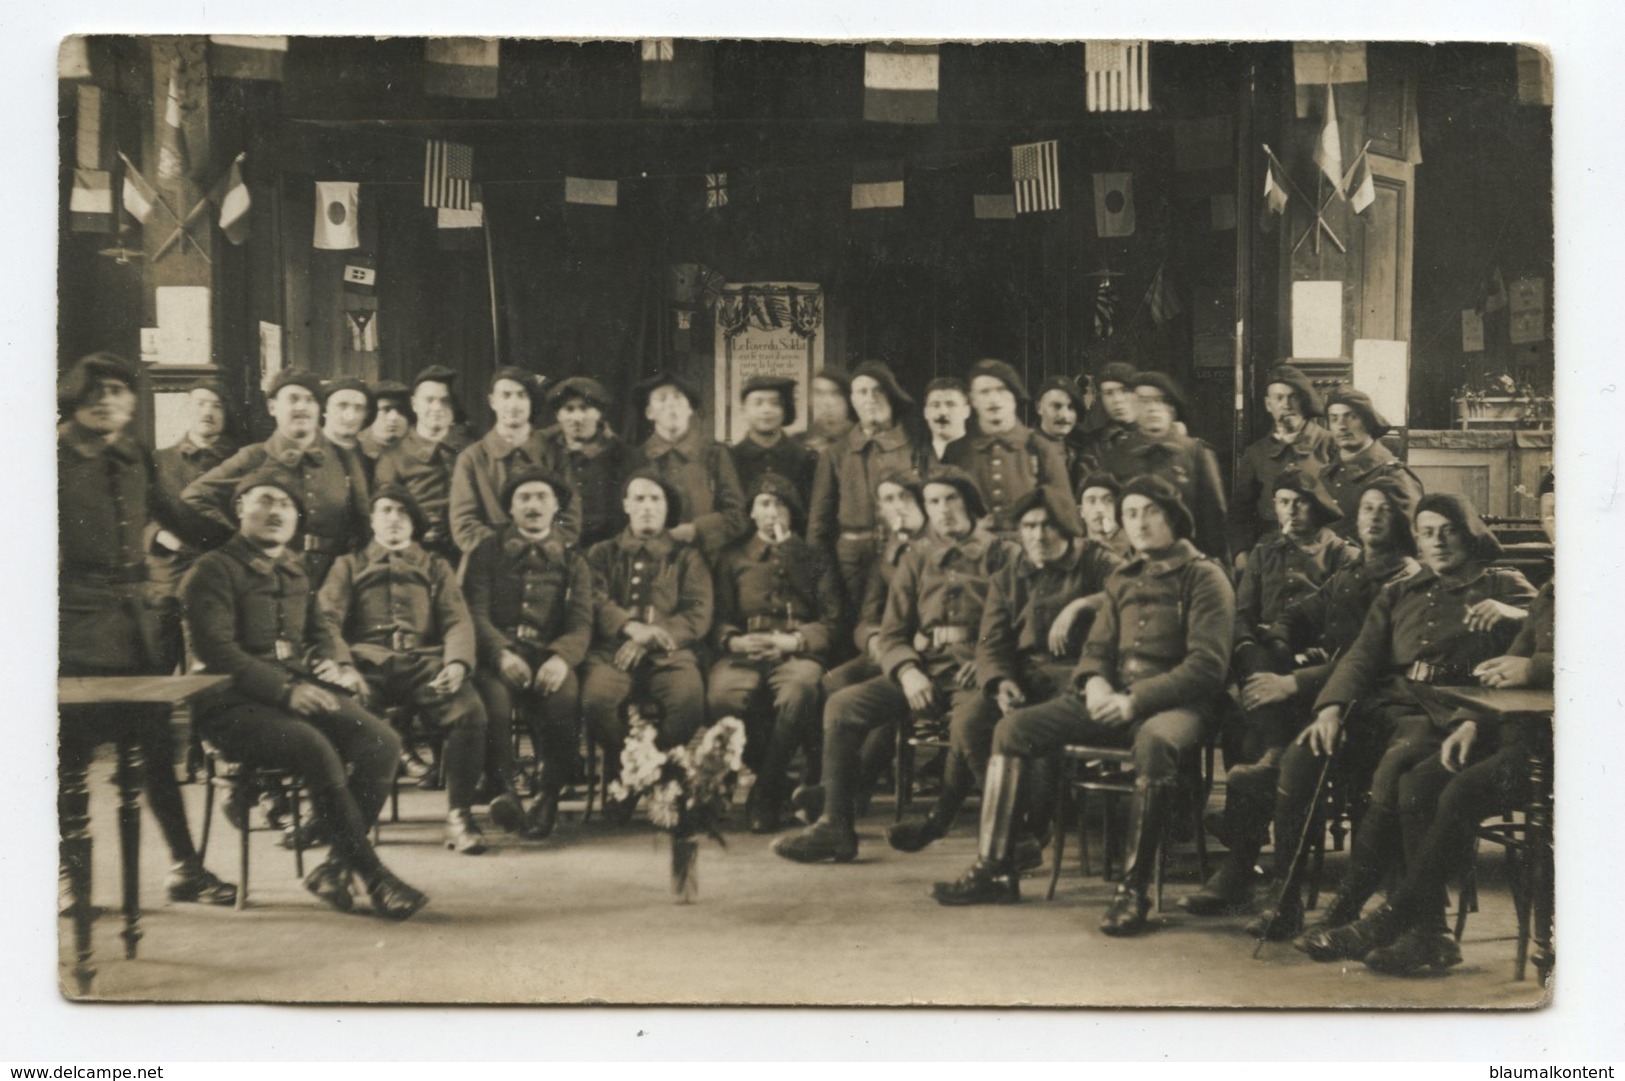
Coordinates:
(78, 697)
(1532, 711)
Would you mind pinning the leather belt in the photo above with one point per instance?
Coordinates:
(525, 633)
(405, 641)
(1424, 672)
(948, 634)
(860, 534)
(313, 543)
(755, 624)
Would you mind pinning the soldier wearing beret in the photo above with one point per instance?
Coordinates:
(484, 466)
(1006, 458)
(778, 608)
(251, 614)
(532, 602)
(392, 419)
(769, 407)
(1098, 496)
(1356, 428)
(1435, 628)
(710, 504)
(424, 460)
(1150, 672)
(832, 415)
(588, 456)
(1295, 441)
(947, 414)
(927, 651)
(330, 480)
(1060, 415)
(107, 493)
(347, 407)
(1162, 449)
(395, 612)
(1108, 429)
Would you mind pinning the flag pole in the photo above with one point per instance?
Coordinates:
(491, 285)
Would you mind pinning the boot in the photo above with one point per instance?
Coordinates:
(412, 766)
(1149, 811)
(1374, 847)
(1352, 941)
(330, 881)
(993, 878)
(189, 881)
(312, 833)
(764, 810)
(822, 841)
(393, 899)
(1282, 918)
(508, 812)
(1420, 946)
(542, 817)
(1227, 892)
(808, 802)
(462, 835)
(914, 836)
(1028, 852)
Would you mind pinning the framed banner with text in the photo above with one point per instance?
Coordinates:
(766, 328)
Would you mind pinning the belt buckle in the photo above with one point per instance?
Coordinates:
(1423, 672)
(284, 650)
(526, 633)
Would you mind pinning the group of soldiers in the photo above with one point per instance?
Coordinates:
(369, 567)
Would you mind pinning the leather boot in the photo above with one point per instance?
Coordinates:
(330, 881)
(543, 816)
(808, 802)
(393, 899)
(1225, 893)
(1352, 941)
(764, 809)
(188, 880)
(913, 836)
(1421, 946)
(1375, 844)
(1148, 813)
(993, 878)
(1282, 918)
(508, 812)
(462, 835)
(822, 841)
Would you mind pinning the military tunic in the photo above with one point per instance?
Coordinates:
(1021, 607)
(594, 470)
(482, 469)
(1190, 466)
(787, 458)
(424, 468)
(842, 517)
(1010, 464)
(1346, 478)
(702, 472)
(1252, 501)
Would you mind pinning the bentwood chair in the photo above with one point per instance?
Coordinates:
(241, 783)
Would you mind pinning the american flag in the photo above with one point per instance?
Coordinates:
(1117, 76)
(1036, 171)
(448, 175)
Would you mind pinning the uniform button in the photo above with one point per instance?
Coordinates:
(635, 581)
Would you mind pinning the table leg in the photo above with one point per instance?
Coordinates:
(73, 818)
(1539, 817)
(128, 778)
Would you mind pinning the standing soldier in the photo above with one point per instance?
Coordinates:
(1105, 444)
(107, 491)
(947, 412)
(1006, 458)
(927, 650)
(391, 420)
(331, 483)
(778, 607)
(1295, 442)
(710, 504)
(1151, 670)
(424, 460)
(832, 415)
(532, 602)
(395, 612)
(346, 412)
(1356, 428)
(587, 456)
(769, 406)
(1060, 409)
(251, 615)
(1162, 450)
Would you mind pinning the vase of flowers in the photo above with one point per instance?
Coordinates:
(687, 789)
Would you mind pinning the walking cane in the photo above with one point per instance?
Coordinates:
(1295, 869)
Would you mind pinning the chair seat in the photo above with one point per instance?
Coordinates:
(230, 774)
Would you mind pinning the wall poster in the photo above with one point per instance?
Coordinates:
(766, 328)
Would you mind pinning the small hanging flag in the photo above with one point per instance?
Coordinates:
(1534, 75)
(900, 83)
(1117, 76)
(1495, 292)
(998, 207)
(1114, 204)
(1161, 298)
(249, 56)
(461, 230)
(676, 75)
(716, 191)
(1275, 196)
(140, 197)
(1317, 63)
(1105, 307)
(73, 58)
(173, 161)
(1035, 170)
(337, 213)
(1527, 321)
(1472, 331)
(1362, 189)
(877, 185)
(461, 67)
(659, 50)
(585, 192)
(360, 274)
(87, 139)
(1329, 147)
(90, 205)
(363, 326)
(231, 196)
(448, 174)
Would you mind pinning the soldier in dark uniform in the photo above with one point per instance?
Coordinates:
(778, 608)
(710, 503)
(394, 611)
(391, 420)
(347, 407)
(1356, 427)
(588, 456)
(1295, 442)
(107, 492)
(330, 481)
(1060, 411)
(532, 602)
(1098, 496)
(927, 653)
(654, 608)
(769, 406)
(251, 615)
(832, 415)
(1160, 449)
(843, 518)
(1437, 627)
(484, 466)
(424, 460)
(947, 412)
(1006, 458)
(1107, 436)
(1150, 671)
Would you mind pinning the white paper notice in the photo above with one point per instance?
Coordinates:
(183, 325)
(1472, 331)
(1317, 319)
(1528, 297)
(1382, 370)
(270, 351)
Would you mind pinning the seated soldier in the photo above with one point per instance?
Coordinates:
(251, 615)
(1478, 773)
(654, 607)
(394, 610)
(1098, 495)
(778, 603)
(532, 603)
(1151, 669)
(928, 659)
(1437, 627)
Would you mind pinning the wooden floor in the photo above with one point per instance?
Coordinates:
(587, 916)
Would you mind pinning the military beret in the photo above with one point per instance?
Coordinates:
(349, 383)
(969, 490)
(1062, 517)
(881, 372)
(537, 475)
(674, 501)
(1116, 372)
(270, 476)
(295, 377)
(644, 389)
(780, 487)
(836, 376)
(579, 386)
(206, 384)
(86, 372)
(907, 479)
(436, 373)
(1308, 397)
(785, 388)
(1403, 501)
(1359, 401)
(1102, 480)
(391, 391)
(947, 382)
(1296, 480)
(1167, 497)
(1170, 390)
(420, 521)
(1066, 385)
(1464, 516)
(1004, 373)
(512, 374)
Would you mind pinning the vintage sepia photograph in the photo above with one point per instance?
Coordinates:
(742, 522)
